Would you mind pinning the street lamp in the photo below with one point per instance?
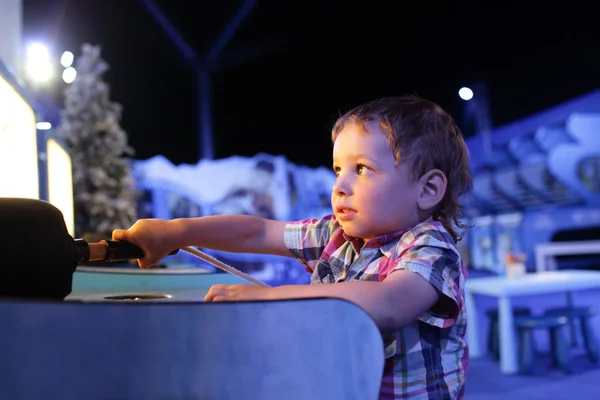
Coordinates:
(66, 60)
(43, 126)
(69, 74)
(40, 67)
(465, 93)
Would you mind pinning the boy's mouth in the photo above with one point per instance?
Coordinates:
(344, 212)
(343, 208)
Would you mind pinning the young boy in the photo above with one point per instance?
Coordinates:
(389, 247)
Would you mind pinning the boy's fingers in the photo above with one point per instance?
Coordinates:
(119, 234)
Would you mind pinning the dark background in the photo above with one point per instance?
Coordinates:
(293, 66)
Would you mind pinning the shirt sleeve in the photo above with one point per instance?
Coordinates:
(435, 259)
(306, 239)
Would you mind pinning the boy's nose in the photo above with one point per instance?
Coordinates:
(341, 188)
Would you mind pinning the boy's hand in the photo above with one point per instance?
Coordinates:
(222, 292)
(153, 236)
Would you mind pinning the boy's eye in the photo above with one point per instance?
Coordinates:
(361, 169)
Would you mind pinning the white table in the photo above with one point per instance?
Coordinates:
(545, 252)
(564, 281)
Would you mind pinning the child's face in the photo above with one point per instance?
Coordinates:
(372, 195)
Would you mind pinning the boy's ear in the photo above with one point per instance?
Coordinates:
(433, 189)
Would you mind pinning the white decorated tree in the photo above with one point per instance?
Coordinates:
(103, 186)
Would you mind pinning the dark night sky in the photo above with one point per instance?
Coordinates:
(323, 58)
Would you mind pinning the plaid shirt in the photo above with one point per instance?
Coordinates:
(428, 358)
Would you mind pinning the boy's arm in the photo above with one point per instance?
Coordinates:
(232, 233)
(424, 283)
(396, 302)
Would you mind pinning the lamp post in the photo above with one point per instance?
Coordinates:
(477, 109)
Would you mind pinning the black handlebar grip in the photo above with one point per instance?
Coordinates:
(118, 250)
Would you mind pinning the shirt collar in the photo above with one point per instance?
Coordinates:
(386, 243)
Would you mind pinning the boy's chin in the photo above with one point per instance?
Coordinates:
(357, 233)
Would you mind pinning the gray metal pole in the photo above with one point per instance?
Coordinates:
(202, 68)
(205, 114)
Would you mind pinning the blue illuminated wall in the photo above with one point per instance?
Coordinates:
(542, 177)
